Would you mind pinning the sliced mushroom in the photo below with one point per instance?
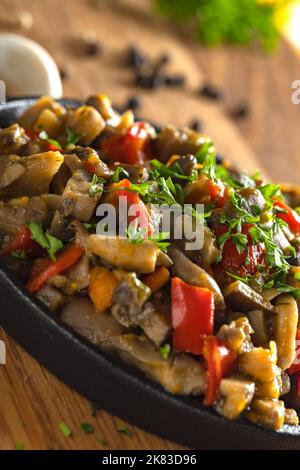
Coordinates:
(181, 375)
(243, 298)
(192, 274)
(236, 393)
(119, 252)
(286, 321)
(37, 175)
(20, 211)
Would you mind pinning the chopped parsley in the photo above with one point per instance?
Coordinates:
(119, 174)
(19, 446)
(45, 239)
(64, 428)
(44, 136)
(87, 428)
(96, 187)
(165, 351)
(103, 442)
(72, 138)
(125, 430)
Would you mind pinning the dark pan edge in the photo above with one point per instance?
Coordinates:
(122, 390)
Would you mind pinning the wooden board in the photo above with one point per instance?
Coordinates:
(33, 402)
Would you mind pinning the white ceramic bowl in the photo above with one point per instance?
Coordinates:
(27, 69)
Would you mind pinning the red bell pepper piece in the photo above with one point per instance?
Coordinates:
(45, 268)
(193, 311)
(218, 193)
(90, 168)
(295, 367)
(232, 260)
(220, 362)
(23, 242)
(133, 198)
(33, 135)
(130, 148)
(289, 216)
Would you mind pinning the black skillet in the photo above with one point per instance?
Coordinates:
(118, 388)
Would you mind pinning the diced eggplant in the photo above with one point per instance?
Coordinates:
(180, 375)
(86, 122)
(237, 334)
(243, 298)
(129, 298)
(10, 170)
(51, 297)
(87, 154)
(260, 363)
(258, 322)
(236, 393)
(18, 212)
(12, 139)
(130, 309)
(119, 252)
(29, 118)
(37, 176)
(192, 274)
(269, 413)
(176, 141)
(137, 173)
(80, 314)
(76, 203)
(286, 321)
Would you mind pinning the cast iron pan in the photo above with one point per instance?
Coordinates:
(118, 388)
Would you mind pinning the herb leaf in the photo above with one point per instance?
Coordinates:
(65, 429)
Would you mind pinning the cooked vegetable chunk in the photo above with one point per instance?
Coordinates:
(120, 253)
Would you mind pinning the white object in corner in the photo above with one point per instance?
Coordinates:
(27, 69)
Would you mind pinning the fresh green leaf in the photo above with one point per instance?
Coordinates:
(119, 174)
(72, 138)
(87, 428)
(103, 442)
(65, 429)
(45, 240)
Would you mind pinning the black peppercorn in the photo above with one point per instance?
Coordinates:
(211, 92)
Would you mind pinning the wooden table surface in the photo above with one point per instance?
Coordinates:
(32, 401)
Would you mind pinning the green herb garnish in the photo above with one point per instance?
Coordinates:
(72, 138)
(65, 429)
(96, 187)
(44, 136)
(45, 239)
(20, 254)
(119, 174)
(165, 351)
(125, 430)
(87, 428)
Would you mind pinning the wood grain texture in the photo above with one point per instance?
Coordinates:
(33, 402)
